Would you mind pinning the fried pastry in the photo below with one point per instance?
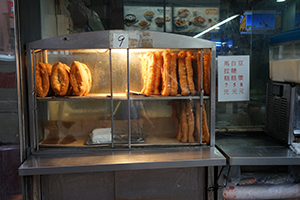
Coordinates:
(184, 124)
(197, 120)
(89, 79)
(49, 68)
(206, 73)
(80, 79)
(173, 73)
(42, 80)
(179, 135)
(196, 73)
(182, 74)
(158, 68)
(199, 78)
(150, 73)
(190, 121)
(70, 90)
(166, 80)
(189, 71)
(59, 79)
(205, 131)
(176, 112)
(144, 63)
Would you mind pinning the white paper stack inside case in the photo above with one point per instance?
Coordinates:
(101, 135)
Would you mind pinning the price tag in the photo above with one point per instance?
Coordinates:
(233, 78)
(120, 40)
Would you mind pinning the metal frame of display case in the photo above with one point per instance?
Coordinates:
(200, 155)
(105, 40)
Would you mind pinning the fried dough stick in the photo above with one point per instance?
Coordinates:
(190, 121)
(144, 62)
(197, 120)
(182, 74)
(151, 73)
(198, 55)
(195, 72)
(173, 73)
(175, 104)
(183, 122)
(180, 134)
(166, 80)
(205, 132)
(189, 71)
(158, 68)
(206, 73)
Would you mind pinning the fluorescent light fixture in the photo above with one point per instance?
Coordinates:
(216, 25)
(280, 0)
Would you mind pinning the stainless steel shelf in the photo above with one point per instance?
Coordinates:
(85, 142)
(118, 97)
(255, 148)
(137, 97)
(41, 164)
(80, 98)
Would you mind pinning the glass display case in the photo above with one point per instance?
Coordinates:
(121, 89)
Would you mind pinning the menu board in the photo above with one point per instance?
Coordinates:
(147, 18)
(194, 19)
(233, 78)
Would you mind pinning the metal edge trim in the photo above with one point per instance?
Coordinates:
(119, 167)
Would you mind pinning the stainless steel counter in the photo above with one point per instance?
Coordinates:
(254, 148)
(41, 164)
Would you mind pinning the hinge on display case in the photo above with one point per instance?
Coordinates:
(213, 188)
(201, 98)
(33, 96)
(212, 192)
(28, 152)
(210, 189)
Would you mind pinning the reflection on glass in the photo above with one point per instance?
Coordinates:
(256, 27)
(9, 119)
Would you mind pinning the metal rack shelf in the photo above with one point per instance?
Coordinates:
(115, 85)
(152, 141)
(94, 96)
(254, 148)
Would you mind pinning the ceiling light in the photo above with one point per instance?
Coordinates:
(280, 0)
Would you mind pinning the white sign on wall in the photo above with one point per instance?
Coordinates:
(233, 78)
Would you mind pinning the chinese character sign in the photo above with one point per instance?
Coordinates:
(233, 78)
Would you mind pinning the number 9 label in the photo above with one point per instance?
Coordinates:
(120, 41)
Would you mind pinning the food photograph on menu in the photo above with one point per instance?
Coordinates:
(147, 18)
(194, 19)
